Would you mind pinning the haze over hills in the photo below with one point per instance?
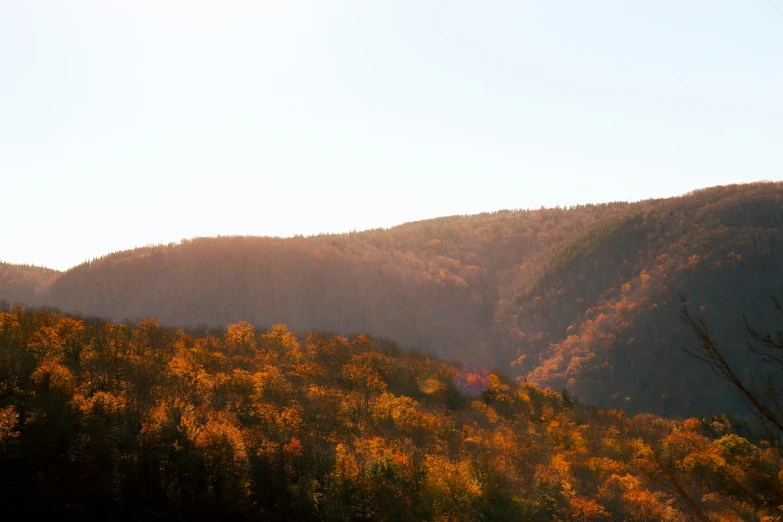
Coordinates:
(584, 297)
(26, 283)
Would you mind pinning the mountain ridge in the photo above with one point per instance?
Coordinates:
(584, 297)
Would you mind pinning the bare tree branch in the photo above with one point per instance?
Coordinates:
(767, 405)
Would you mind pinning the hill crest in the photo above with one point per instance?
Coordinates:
(584, 297)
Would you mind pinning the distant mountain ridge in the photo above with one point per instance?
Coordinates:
(26, 283)
(584, 297)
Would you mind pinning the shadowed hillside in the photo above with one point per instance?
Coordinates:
(608, 302)
(584, 298)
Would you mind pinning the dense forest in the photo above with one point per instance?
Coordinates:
(107, 421)
(584, 298)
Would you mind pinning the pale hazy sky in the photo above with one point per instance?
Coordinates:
(136, 122)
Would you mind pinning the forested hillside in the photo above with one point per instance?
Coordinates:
(25, 283)
(104, 421)
(600, 314)
(584, 298)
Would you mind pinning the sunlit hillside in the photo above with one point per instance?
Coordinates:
(584, 298)
(103, 421)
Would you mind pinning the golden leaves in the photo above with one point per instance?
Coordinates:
(8, 421)
(54, 377)
(241, 334)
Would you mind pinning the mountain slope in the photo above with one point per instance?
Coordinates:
(623, 345)
(585, 297)
(433, 284)
(26, 283)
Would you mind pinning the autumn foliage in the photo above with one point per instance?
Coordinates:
(584, 297)
(110, 421)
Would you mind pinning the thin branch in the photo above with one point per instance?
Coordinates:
(712, 356)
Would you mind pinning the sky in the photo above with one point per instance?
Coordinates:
(127, 123)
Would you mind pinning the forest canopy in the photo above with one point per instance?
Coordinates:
(100, 420)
